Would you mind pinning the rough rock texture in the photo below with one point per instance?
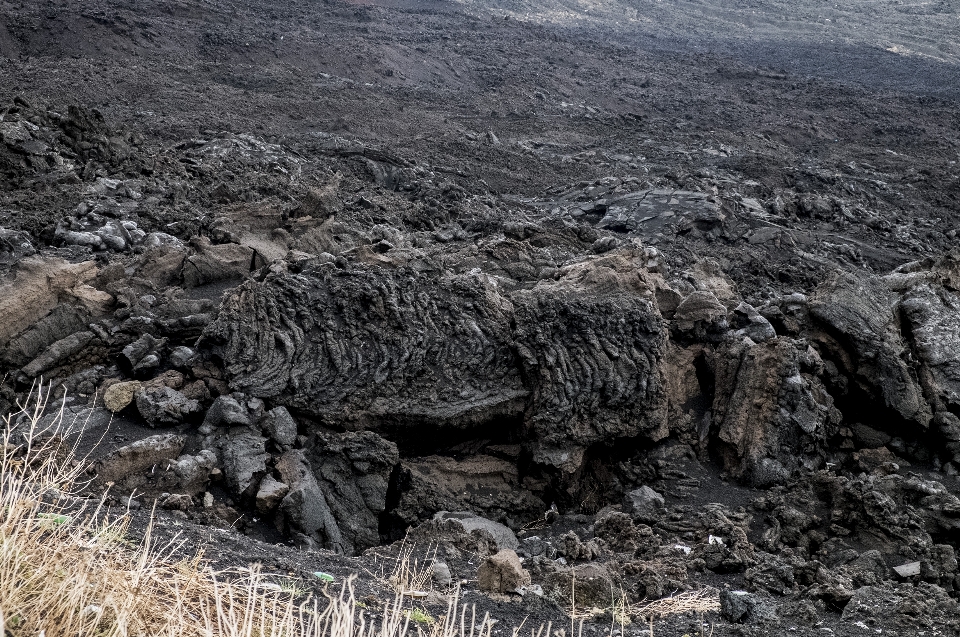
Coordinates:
(164, 406)
(769, 397)
(119, 395)
(860, 314)
(243, 458)
(139, 456)
(502, 573)
(372, 346)
(40, 285)
(502, 535)
(664, 295)
(270, 493)
(591, 345)
(305, 507)
(644, 504)
(353, 470)
(578, 357)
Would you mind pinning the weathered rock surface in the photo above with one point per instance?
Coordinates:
(119, 395)
(139, 456)
(859, 315)
(487, 485)
(502, 573)
(582, 364)
(353, 470)
(769, 397)
(164, 406)
(502, 535)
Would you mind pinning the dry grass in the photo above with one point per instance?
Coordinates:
(699, 603)
(403, 572)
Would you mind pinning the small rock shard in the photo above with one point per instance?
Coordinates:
(907, 570)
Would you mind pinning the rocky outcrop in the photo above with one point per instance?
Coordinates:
(41, 284)
(578, 357)
(768, 398)
(862, 337)
(372, 347)
(592, 345)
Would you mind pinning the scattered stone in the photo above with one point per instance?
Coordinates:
(139, 456)
(280, 426)
(644, 504)
(502, 535)
(910, 569)
(741, 607)
(176, 502)
(502, 573)
(270, 493)
(14, 246)
(227, 411)
(193, 471)
(164, 406)
(244, 460)
(440, 573)
(119, 395)
(181, 357)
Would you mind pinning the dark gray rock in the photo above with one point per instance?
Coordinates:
(165, 406)
(486, 485)
(57, 353)
(592, 346)
(244, 458)
(133, 353)
(858, 314)
(769, 398)
(748, 322)
(353, 471)
(193, 471)
(270, 493)
(644, 504)
(868, 569)
(741, 607)
(280, 426)
(359, 361)
(305, 509)
(930, 309)
(14, 245)
(533, 546)
(182, 356)
(63, 321)
(226, 411)
(700, 315)
(440, 574)
(502, 535)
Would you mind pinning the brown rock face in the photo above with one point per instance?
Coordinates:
(119, 395)
(502, 573)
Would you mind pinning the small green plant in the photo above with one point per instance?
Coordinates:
(420, 616)
(292, 586)
(53, 520)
